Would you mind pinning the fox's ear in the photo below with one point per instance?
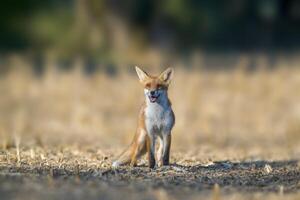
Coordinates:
(167, 75)
(141, 74)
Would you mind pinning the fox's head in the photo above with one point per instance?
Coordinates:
(155, 87)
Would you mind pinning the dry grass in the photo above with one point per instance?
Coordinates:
(77, 123)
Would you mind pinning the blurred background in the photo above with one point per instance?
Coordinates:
(67, 71)
(132, 32)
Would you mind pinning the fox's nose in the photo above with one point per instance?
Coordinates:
(152, 92)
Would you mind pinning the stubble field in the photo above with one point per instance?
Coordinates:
(237, 134)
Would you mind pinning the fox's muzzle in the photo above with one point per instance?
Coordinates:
(153, 96)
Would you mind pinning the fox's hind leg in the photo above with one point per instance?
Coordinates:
(139, 147)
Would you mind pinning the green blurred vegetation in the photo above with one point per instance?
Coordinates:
(109, 27)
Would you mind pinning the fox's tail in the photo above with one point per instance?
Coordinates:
(131, 154)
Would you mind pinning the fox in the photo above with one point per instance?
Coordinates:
(155, 122)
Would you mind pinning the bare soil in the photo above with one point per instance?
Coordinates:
(73, 178)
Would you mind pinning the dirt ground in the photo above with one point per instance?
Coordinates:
(74, 173)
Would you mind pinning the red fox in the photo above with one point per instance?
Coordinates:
(156, 120)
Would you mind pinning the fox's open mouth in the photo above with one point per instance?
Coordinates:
(153, 98)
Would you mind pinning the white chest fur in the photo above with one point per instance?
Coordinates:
(159, 118)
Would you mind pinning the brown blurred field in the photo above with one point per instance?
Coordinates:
(78, 122)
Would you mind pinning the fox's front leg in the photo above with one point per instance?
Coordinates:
(151, 150)
(159, 153)
(166, 148)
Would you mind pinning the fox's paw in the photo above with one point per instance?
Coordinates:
(159, 163)
(133, 164)
(115, 164)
